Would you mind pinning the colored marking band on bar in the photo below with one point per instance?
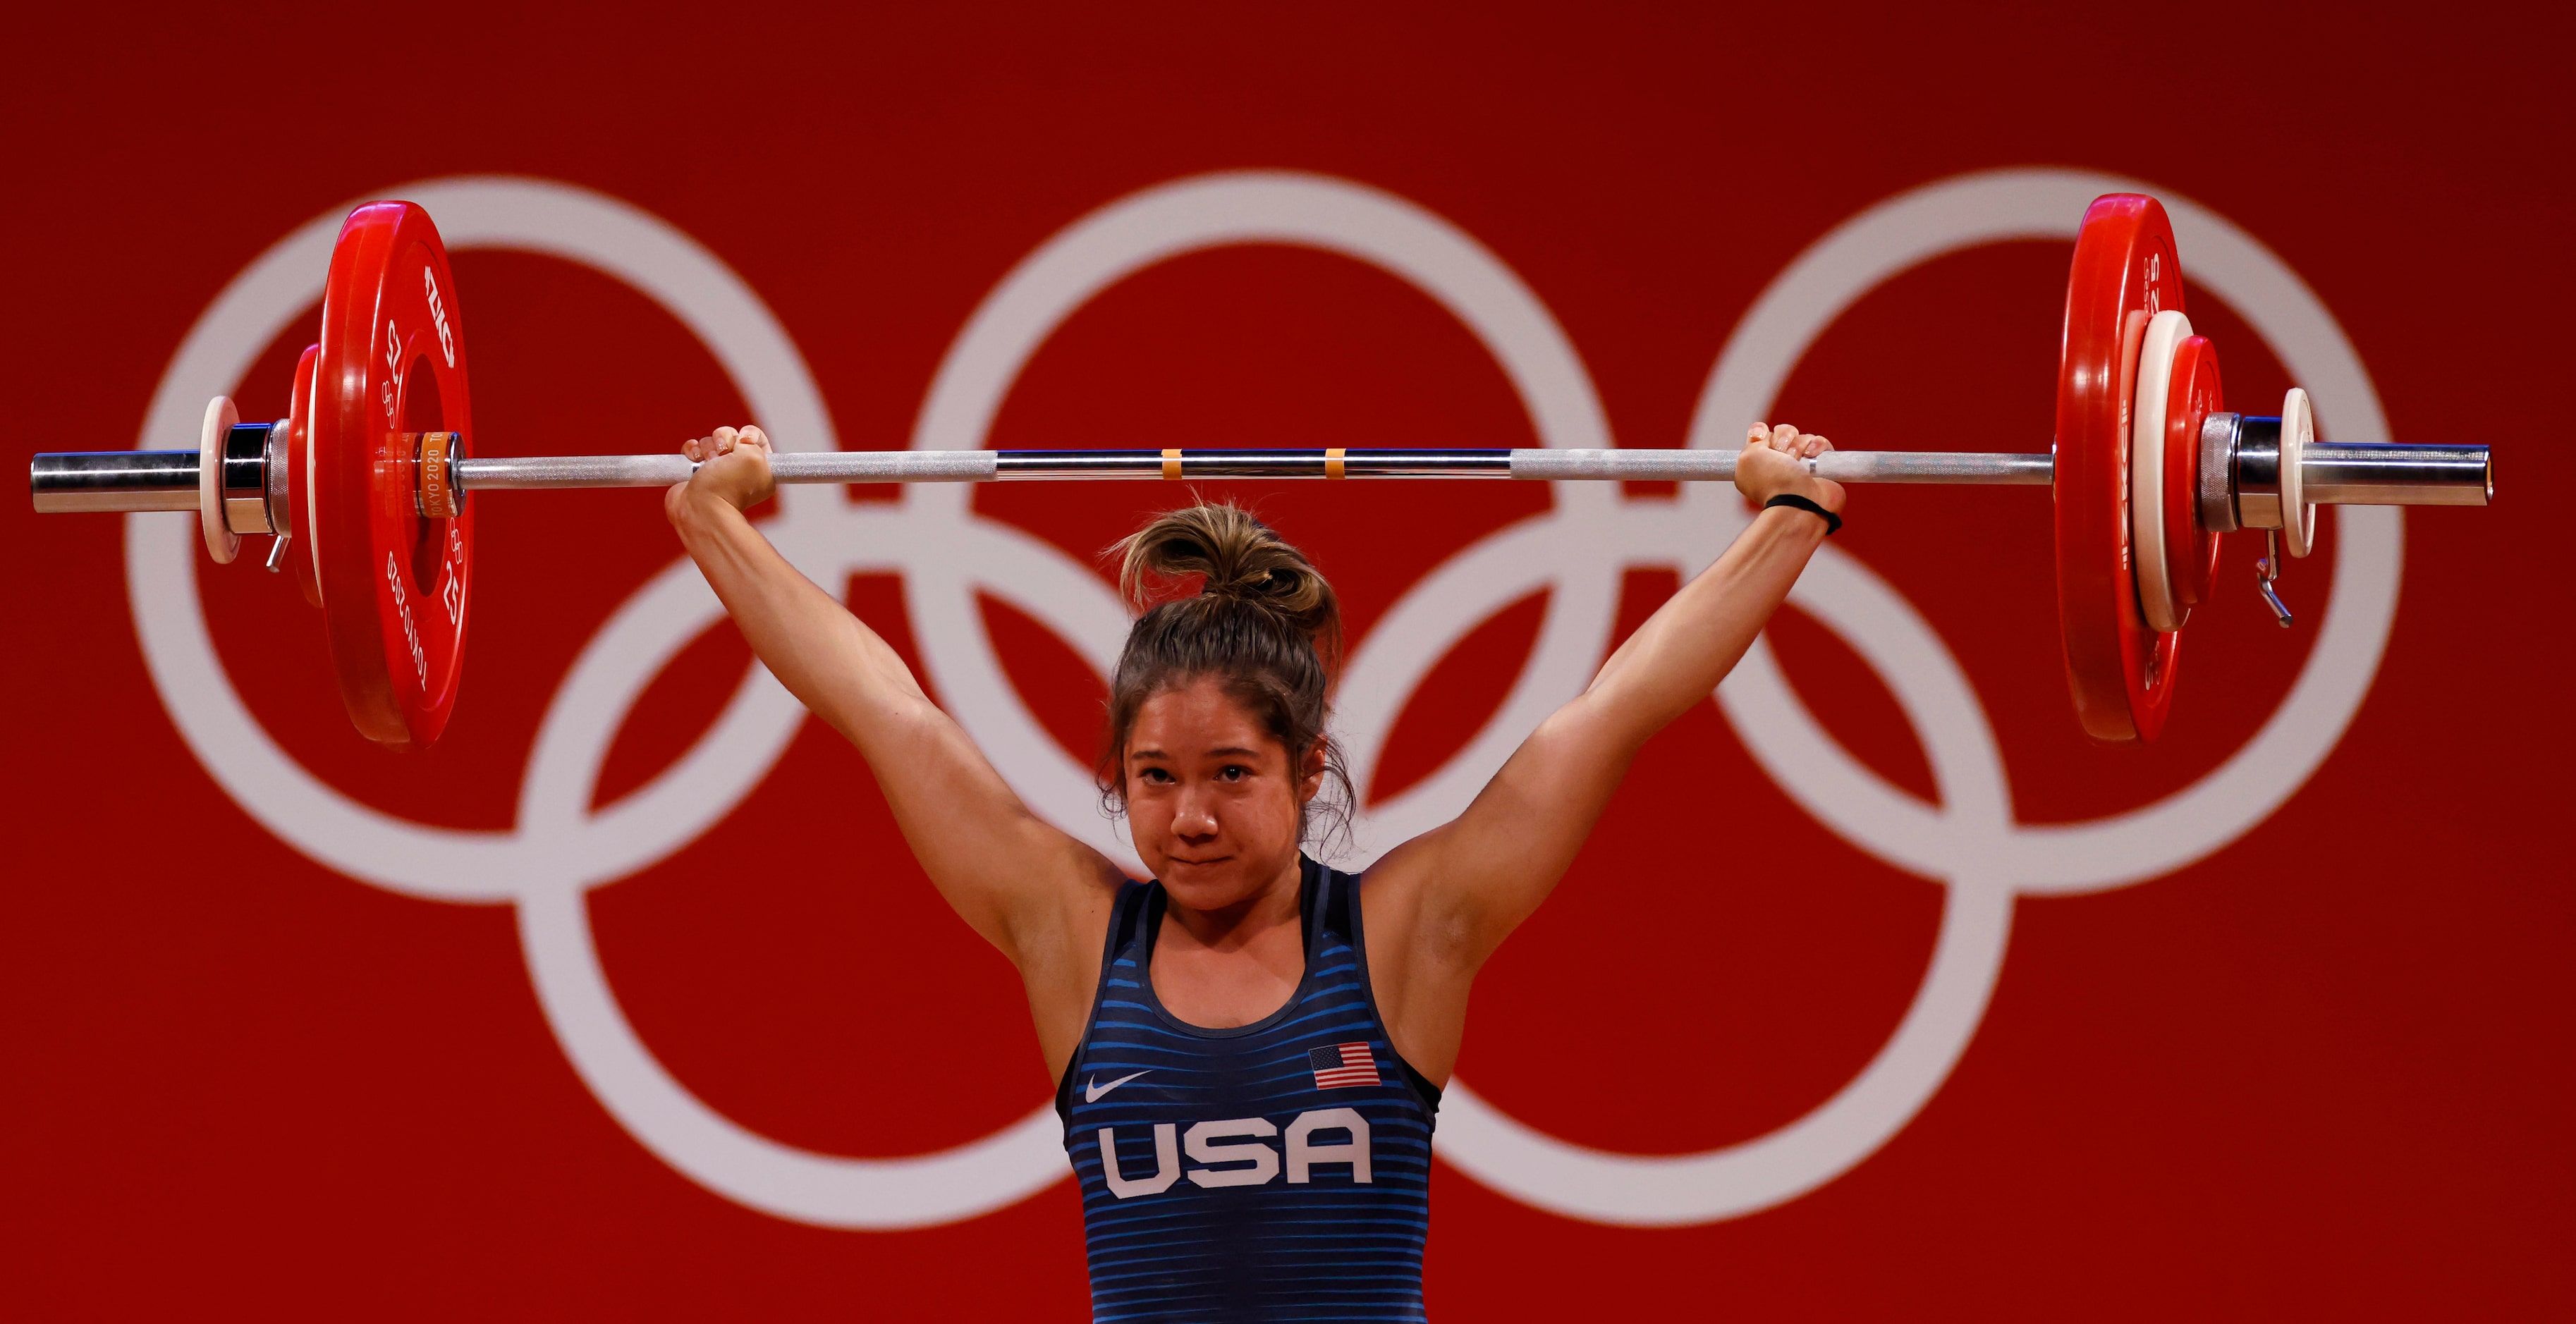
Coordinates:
(1332, 462)
(1171, 464)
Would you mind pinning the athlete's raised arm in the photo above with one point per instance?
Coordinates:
(1443, 901)
(1022, 883)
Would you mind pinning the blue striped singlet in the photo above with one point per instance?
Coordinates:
(1276, 1171)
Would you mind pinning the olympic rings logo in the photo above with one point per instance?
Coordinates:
(560, 846)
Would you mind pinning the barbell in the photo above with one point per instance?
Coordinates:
(363, 488)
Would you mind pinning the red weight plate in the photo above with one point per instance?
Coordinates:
(299, 479)
(2124, 273)
(394, 585)
(2191, 550)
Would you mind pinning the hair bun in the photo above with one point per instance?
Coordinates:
(1238, 559)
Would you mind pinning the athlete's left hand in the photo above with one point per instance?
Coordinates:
(1773, 463)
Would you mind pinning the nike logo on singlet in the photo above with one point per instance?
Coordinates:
(1092, 1089)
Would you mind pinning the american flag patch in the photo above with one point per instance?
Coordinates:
(1343, 1064)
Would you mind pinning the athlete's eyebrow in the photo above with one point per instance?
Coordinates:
(1230, 751)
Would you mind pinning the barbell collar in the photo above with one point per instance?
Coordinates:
(2255, 472)
(2220, 435)
(276, 469)
(245, 477)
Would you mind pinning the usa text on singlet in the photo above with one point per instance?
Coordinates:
(1278, 1170)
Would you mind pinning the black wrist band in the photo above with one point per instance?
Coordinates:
(1833, 522)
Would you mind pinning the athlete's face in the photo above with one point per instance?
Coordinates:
(1212, 801)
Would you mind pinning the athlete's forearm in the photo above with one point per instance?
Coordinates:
(971, 834)
(826, 657)
(1679, 655)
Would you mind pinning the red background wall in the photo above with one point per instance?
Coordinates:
(2323, 1071)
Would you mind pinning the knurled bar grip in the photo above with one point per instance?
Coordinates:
(506, 473)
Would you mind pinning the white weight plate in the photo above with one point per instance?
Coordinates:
(2165, 334)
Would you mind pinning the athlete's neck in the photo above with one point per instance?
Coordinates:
(1229, 928)
(1232, 965)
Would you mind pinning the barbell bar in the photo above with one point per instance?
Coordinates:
(2387, 475)
(2148, 470)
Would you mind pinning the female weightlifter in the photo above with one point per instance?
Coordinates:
(1249, 1047)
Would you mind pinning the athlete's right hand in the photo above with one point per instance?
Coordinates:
(733, 467)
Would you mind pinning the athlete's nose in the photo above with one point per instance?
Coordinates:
(1192, 820)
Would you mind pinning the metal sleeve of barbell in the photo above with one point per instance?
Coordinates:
(70, 482)
(2355, 474)
(908, 466)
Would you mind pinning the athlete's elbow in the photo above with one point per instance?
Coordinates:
(1603, 728)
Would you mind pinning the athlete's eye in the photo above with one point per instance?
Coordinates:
(1234, 772)
(1156, 776)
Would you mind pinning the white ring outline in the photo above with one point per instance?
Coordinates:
(2096, 850)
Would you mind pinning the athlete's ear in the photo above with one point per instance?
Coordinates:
(1310, 772)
